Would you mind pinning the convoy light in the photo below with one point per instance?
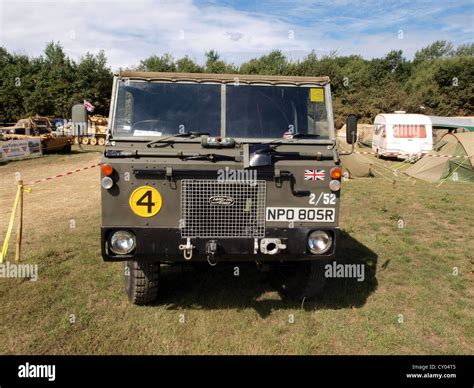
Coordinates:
(107, 169)
(107, 182)
(336, 173)
(319, 242)
(122, 242)
(217, 142)
(335, 185)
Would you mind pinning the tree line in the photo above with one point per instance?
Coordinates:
(439, 80)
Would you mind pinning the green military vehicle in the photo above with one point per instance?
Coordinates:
(220, 168)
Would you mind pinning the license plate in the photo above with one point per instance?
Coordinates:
(301, 214)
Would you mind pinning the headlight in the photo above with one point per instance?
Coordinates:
(107, 182)
(122, 242)
(319, 242)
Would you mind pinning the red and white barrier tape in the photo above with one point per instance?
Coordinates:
(62, 175)
(413, 155)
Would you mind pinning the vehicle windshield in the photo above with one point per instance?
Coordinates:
(158, 109)
(256, 112)
(275, 111)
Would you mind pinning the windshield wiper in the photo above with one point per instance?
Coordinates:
(304, 136)
(211, 157)
(191, 135)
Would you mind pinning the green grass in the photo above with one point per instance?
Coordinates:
(410, 272)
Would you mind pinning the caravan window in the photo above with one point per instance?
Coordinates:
(409, 131)
(378, 128)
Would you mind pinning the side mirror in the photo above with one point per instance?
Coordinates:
(351, 129)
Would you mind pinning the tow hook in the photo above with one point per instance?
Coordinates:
(271, 246)
(187, 249)
(211, 250)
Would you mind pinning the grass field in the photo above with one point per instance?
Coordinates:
(411, 301)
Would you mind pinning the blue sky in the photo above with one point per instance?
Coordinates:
(239, 30)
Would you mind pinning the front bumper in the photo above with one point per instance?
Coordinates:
(161, 244)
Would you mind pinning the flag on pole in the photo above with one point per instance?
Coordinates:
(89, 107)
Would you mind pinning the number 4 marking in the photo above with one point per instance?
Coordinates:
(149, 203)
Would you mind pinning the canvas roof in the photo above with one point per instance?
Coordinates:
(452, 122)
(224, 78)
(467, 141)
(402, 118)
(436, 165)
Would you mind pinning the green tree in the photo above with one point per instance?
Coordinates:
(164, 63)
(53, 83)
(93, 82)
(215, 65)
(274, 63)
(187, 65)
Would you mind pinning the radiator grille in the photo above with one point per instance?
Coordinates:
(219, 209)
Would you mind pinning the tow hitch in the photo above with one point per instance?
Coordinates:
(211, 251)
(187, 249)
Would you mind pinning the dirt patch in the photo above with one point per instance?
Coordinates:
(58, 200)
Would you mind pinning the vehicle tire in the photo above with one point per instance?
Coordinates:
(93, 141)
(141, 281)
(67, 149)
(85, 140)
(101, 141)
(305, 280)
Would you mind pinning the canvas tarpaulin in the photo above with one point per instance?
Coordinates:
(452, 159)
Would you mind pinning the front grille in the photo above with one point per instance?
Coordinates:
(219, 209)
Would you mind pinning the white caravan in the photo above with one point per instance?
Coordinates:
(402, 135)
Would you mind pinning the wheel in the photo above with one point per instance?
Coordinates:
(85, 140)
(66, 149)
(76, 140)
(302, 280)
(101, 141)
(93, 141)
(141, 281)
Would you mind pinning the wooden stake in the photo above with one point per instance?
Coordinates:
(19, 226)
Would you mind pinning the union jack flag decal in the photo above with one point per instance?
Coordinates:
(314, 175)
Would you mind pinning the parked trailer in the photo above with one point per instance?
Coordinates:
(402, 135)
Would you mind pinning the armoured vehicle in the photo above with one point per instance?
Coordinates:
(220, 168)
(91, 130)
(51, 141)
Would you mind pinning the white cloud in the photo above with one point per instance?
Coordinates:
(132, 30)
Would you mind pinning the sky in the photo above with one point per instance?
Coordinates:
(131, 30)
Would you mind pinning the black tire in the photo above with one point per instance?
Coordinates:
(66, 149)
(305, 280)
(141, 281)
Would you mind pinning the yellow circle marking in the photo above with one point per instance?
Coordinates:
(145, 201)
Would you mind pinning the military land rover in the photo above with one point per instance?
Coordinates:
(219, 168)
